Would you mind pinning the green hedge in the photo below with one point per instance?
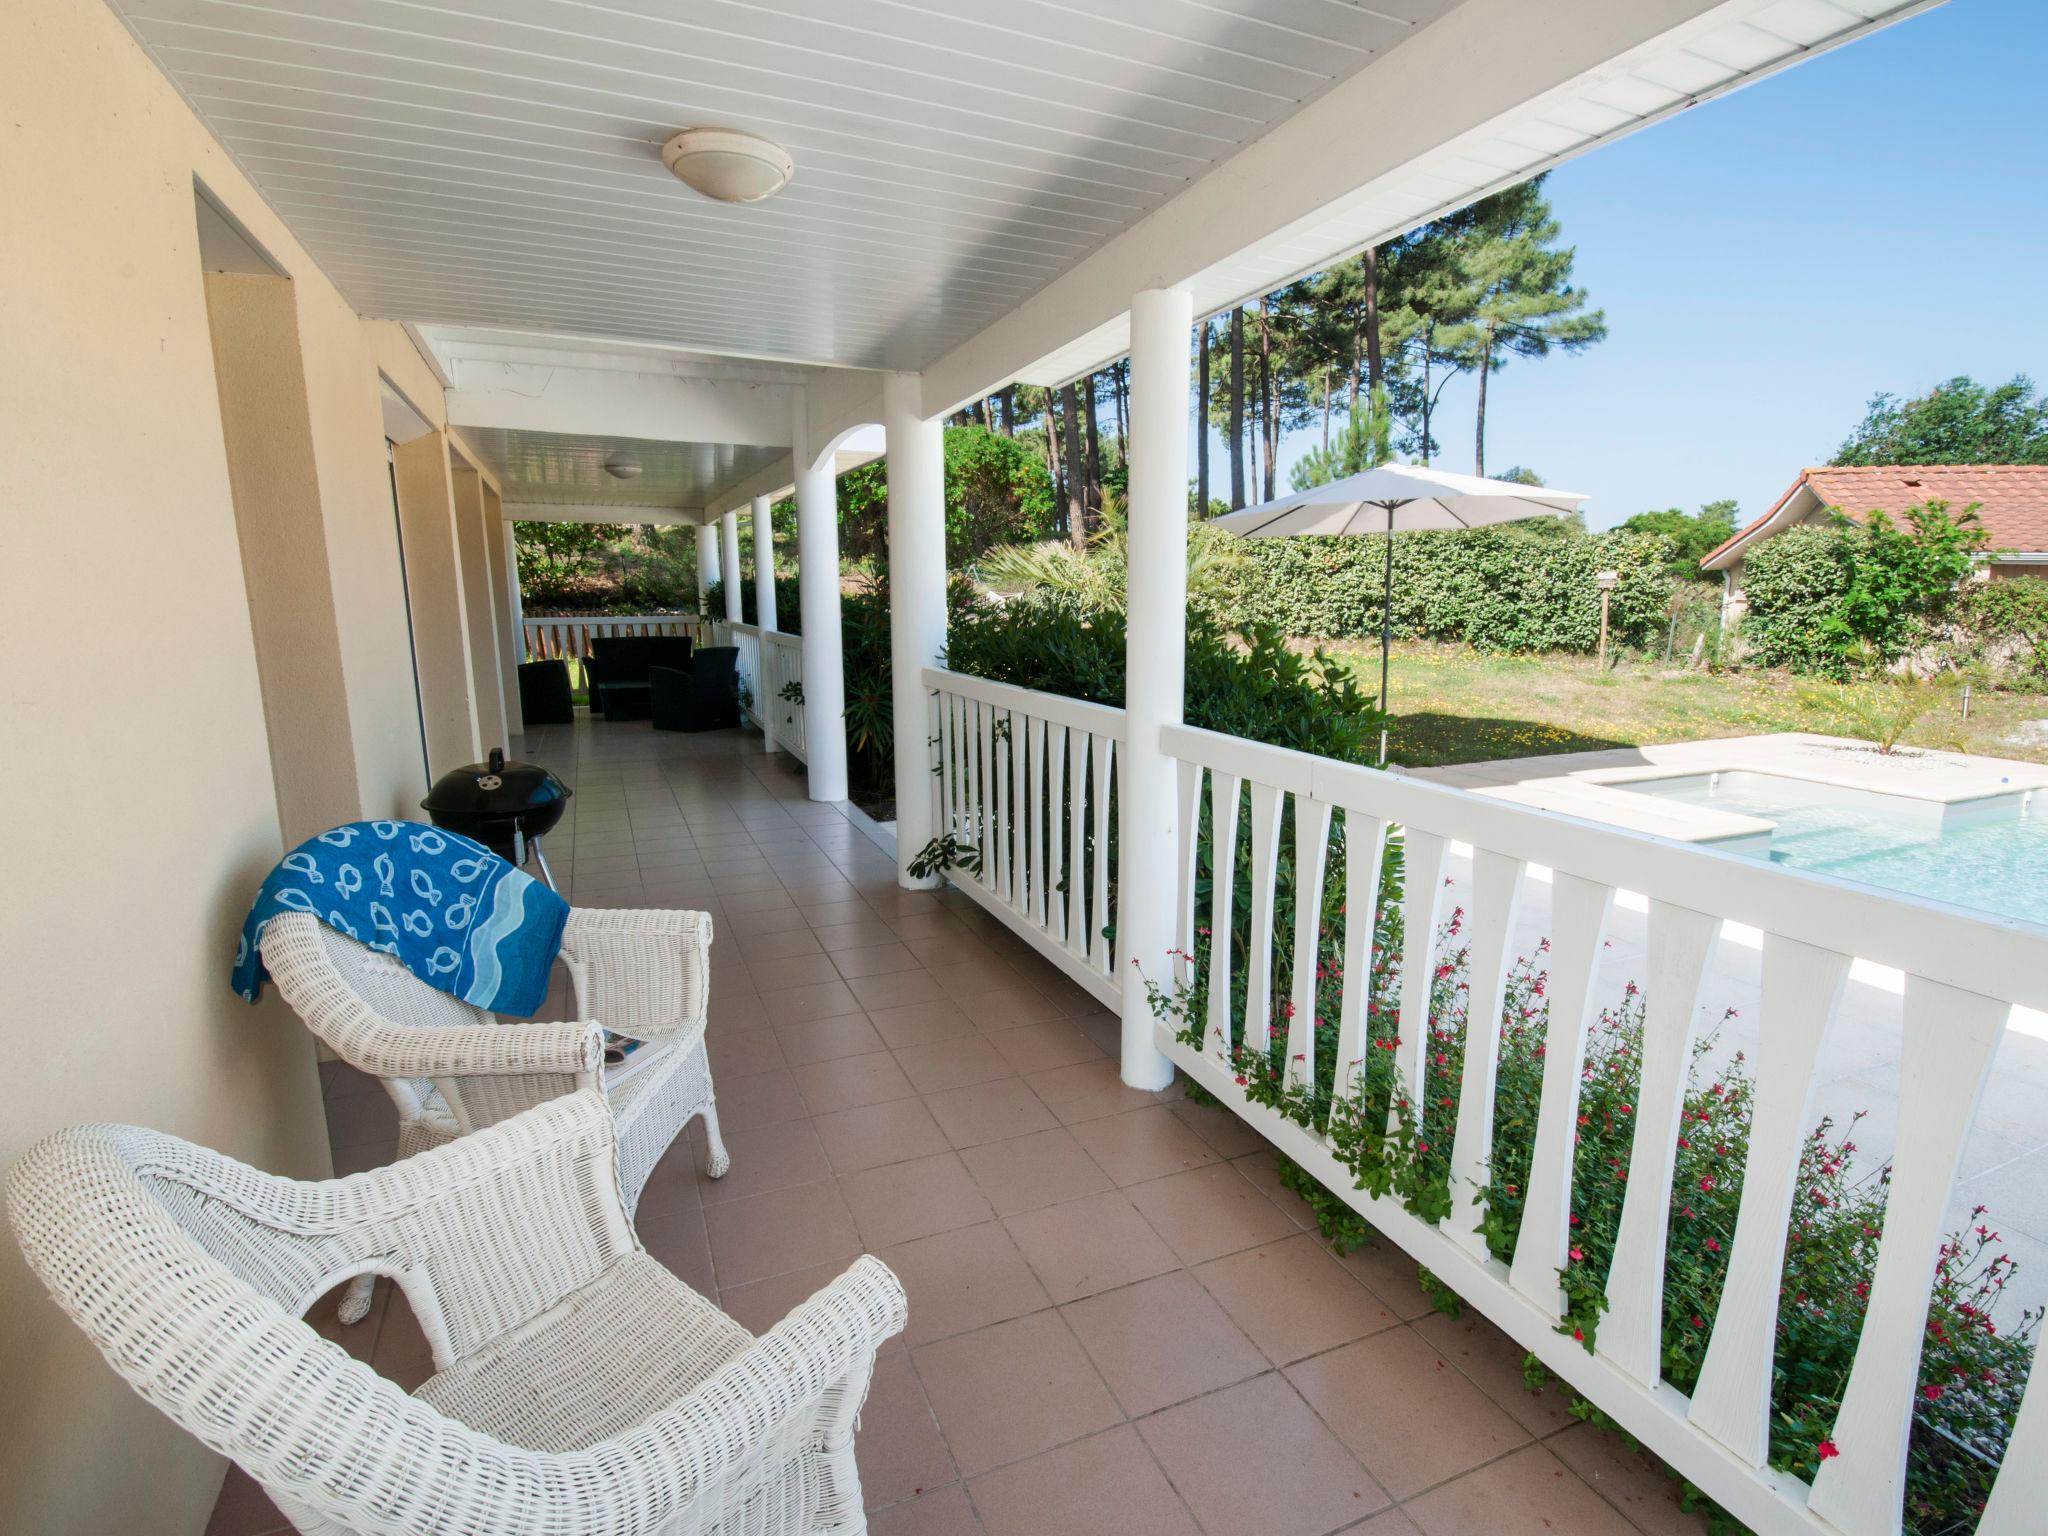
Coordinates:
(1498, 589)
(1795, 584)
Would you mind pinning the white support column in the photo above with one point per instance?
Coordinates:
(729, 563)
(1155, 665)
(765, 706)
(817, 562)
(915, 450)
(707, 566)
(764, 560)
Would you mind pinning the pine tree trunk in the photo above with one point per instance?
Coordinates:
(1202, 420)
(1092, 489)
(1052, 450)
(1428, 401)
(1237, 408)
(1269, 413)
(1355, 355)
(1009, 399)
(1326, 410)
(1479, 418)
(1375, 360)
(1070, 452)
(1120, 387)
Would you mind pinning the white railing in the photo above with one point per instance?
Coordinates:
(1025, 787)
(782, 663)
(1000, 789)
(1963, 973)
(567, 637)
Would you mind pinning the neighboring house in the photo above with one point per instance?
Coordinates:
(2011, 501)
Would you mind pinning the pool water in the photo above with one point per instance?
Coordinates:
(1993, 857)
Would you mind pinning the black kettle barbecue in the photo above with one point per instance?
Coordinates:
(507, 806)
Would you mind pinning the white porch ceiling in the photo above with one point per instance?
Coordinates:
(496, 162)
(555, 469)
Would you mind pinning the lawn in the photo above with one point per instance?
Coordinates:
(1455, 705)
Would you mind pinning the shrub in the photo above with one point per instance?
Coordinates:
(998, 491)
(1498, 589)
(1795, 584)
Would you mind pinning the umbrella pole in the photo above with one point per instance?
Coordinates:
(1386, 632)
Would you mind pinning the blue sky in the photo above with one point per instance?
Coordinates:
(1874, 219)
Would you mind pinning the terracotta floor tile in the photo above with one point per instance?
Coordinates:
(903, 1201)
(994, 1011)
(829, 914)
(1390, 1275)
(787, 1229)
(1162, 1341)
(1493, 1362)
(1087, 1091)
(1633, 1481)
(878, 960)
(1012, 1390)
(1254, 1458)
(1089, 1245)
(896, 989)
(1040, 1047)
(244, 1509)
(1026, 1173)
(1404, 1411)
(1205, 1212)
(898, 1446)
(676, 1239)
(758, 944)
(767, 1157)
(1293, 1300)
(875, 1134)
(1530, 1493)
(765, 1098)
(992, 1111)
(943, 1512)
(963, 1279)
(1086, 1488)
(827, 1039)
(1143, 1144)
(920, 1024)
(807, 1004)
(1229, 1135)
(954, 1063)
(771, 977)
(741, 1053)
(868, 933)
(847, 1082)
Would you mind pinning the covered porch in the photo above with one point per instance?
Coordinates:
(375, 284)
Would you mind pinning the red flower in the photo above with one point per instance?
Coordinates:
(1931, 1392)
(1826, 1449)
(1706, 1184)
(1579, 1334)
(1578, 1254)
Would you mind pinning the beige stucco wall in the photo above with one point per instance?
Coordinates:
(440, 630)
(478, 602)
(133, 715)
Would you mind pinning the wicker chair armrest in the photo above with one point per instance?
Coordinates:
(384, 1049)
(639, 972)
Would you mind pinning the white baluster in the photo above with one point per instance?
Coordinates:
(1101, 770)
(1422, 898)
(1077, 853)
(1020, 813)
(1579, 910)
(1189, 788)
(1951, 1037)
(1002, 797)
(1033, 780)
(1365, 845)
(1496, 888)
(2021, 1492)
(1265, 870)
(1802, 987)
(1311, 854)
(1055, 832)
(1223, 792)
(1632, 1332)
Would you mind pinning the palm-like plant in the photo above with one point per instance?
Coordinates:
(1098, 576)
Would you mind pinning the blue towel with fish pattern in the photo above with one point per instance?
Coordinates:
(445, 907)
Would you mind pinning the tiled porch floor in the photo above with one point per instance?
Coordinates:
(1118, 1319)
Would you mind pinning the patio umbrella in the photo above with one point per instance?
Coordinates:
(1396, 498)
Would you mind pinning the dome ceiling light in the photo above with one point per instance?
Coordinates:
(727, 165)
(622, 468)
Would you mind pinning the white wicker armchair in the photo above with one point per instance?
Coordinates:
(581, 1389)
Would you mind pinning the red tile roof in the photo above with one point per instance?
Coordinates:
(2011, 499)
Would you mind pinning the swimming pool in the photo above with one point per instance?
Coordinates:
(1991, 854)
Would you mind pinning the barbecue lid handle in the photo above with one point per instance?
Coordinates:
(497, 759)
